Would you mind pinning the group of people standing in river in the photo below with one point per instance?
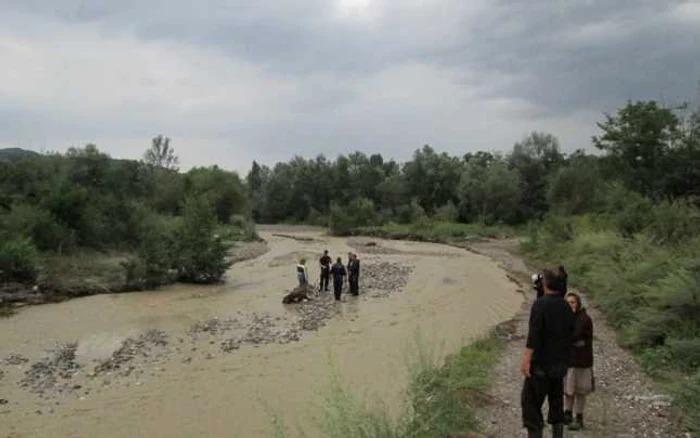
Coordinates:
(337, 271)
(558, 357)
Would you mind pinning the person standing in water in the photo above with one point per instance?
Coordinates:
(338, 271)
(354, 274)
(301, 273)
(325, 263)
(579, 378)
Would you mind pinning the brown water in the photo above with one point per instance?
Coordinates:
(452, 296)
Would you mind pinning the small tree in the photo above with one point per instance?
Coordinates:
(201, 256)
(161, 154)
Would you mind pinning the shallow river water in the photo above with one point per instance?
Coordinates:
(197, 390)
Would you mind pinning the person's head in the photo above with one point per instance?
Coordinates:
(339, 260)
(302, 261)
(325, 252)
(574, 301)
(349, 255)
(554, 283)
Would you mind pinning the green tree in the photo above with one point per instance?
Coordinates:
(638, 141)
(535, 158)
(201, 256)
(577, 187)
(161, 154)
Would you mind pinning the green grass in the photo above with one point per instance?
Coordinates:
(441, 398)
(81, 269)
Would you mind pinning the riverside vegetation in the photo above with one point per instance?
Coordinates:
(625, 223)
(82, 223)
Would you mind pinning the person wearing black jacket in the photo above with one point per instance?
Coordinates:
(339, 273)
(546, 357)
(579, 378)
(354, 274)
(325, 263)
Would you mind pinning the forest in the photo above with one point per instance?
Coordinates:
(624, 219)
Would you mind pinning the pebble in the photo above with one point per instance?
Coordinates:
(44, 374)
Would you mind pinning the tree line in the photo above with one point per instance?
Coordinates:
(645, 149)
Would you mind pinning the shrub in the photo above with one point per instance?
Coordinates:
(18, 260)
(40, 225)
(360, 212)
(200, 256)
(447, 213)
(155, 254)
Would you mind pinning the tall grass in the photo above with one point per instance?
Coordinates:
(442, 397)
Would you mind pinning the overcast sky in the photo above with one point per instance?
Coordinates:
(230, 81)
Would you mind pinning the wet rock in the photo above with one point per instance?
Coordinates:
(214, 326)
(15, 359)
(315, 313)
(384, 278)
(44, 375)
(131, 349)
(230, 345)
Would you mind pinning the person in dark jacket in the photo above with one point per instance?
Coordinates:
(325, 263)
(354, 274)
(579, 378)
(339, 273)
(546, 357)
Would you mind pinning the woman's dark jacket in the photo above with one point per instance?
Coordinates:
(582, 356)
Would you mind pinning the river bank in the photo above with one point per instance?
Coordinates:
(67, 277)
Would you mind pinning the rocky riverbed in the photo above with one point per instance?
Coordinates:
(60, 373)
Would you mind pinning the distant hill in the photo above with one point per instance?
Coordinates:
(9, 154)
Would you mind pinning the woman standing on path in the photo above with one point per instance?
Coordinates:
(579, 377)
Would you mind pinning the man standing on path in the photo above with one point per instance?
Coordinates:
(546, 357)
(325, 262)
(339, 273)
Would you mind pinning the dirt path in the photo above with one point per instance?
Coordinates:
(188, 361)
(625, 403)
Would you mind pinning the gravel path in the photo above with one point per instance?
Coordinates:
(625, 403)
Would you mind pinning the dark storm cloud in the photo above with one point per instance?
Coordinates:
(590, 54)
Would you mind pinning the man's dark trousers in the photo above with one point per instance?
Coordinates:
(337, 288)
(353, 282)
(325, 277)
(536, 388)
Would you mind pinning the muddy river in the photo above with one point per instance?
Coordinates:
(216, 361)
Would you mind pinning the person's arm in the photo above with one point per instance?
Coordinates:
(534, 336)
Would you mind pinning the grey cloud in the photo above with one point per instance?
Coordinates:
(553, 55)
(647, 58)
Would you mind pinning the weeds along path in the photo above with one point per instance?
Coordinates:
(625, 403)
(219, 361)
